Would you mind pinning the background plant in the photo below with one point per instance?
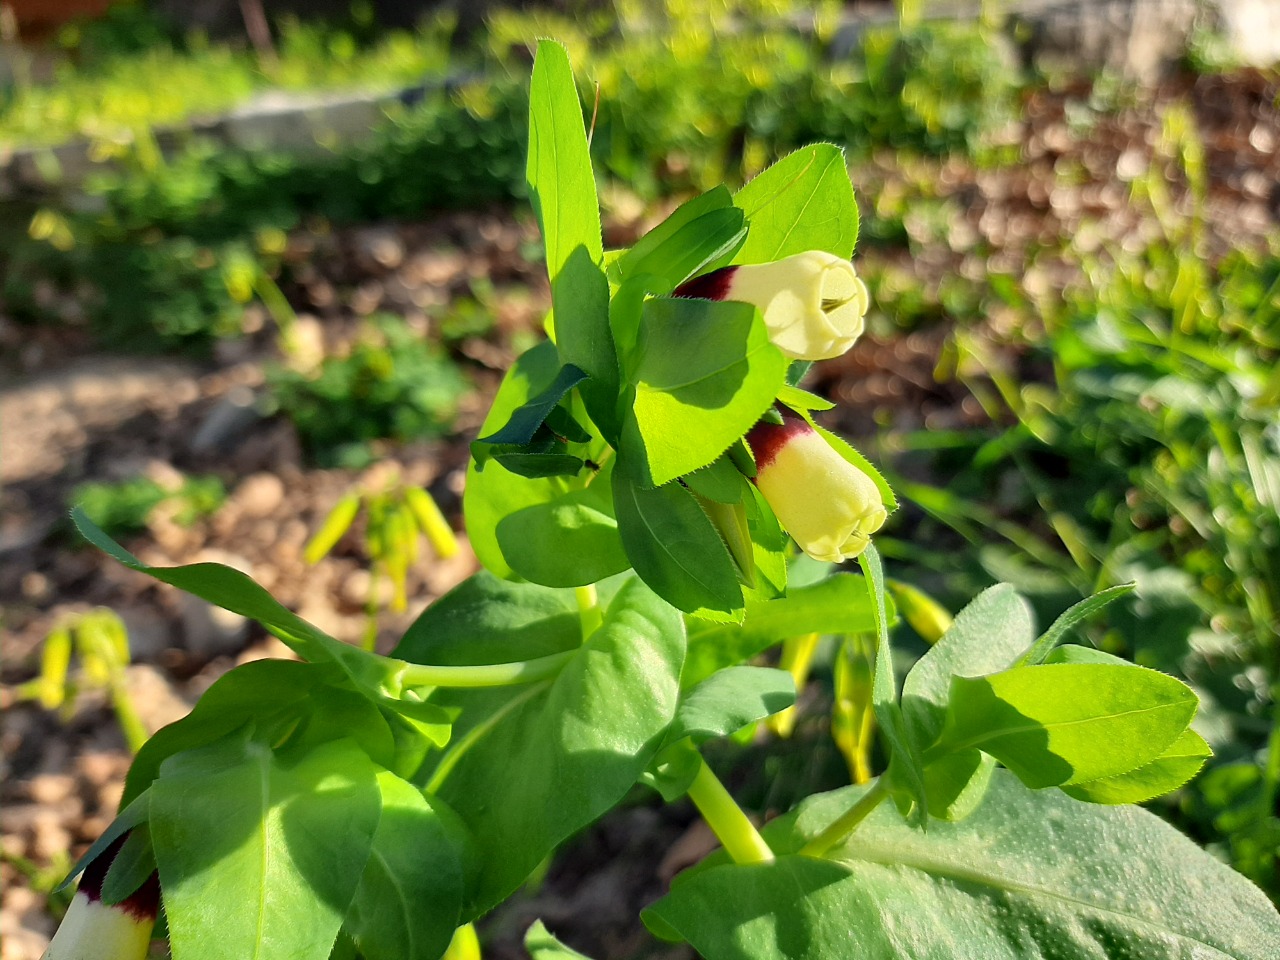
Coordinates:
(391, 385)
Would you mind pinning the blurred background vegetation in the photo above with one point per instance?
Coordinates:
(1071, 373)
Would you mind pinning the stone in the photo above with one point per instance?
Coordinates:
(259, 495)
(154, 697)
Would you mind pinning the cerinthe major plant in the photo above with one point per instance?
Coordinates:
(631, 498)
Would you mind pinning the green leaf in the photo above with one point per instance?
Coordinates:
(1028, 875)
(487, 620)
(1180, 762)
(1069, 618)
(675, 549)
(678, 247)
(569, 541)
(529, 416)
(704, 373)
(561, 753)
(957, 783)
(539, 464)
(562, 423)
(730, 699)
(133, 864)
(673, 770)
(543, 946)
(1068, 723)
(1072, 653)
(720, 481)
(802, 400)
(986, 637)
(770, 545)
(838, 604)
(410, 894)
(259, 859)
(802, 202)
(262, 693)
(905, 769)
(563, 190)
(133, 811)
(492, 493)
(713, 236)
(375, 677)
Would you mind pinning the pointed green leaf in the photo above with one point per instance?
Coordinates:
(1072, 616)
(986, 637)
(730, 699)
(1028, 875)
(487, 620)
(375, 677)
(1180, 762)
(838, 604)
(406, 906)
(957, 783)
(133, 864)
(675, 248)
(493, 492)
(704, 373)
(530, 415)
(563, 190)
(259, 859)
(556, 755)
(569, 541)
(1068, 723)
(802, 202)
(675, 549)
(543, 946)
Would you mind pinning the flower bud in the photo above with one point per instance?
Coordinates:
(813, 303)
(828, 505)
(93, 930)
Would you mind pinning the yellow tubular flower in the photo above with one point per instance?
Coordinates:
(813, 303)
(93, 930)
(828, 505)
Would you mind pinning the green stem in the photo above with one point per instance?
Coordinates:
(588, 609)
(484, 675)
(845, 824)
(135, 733)
(725, 818)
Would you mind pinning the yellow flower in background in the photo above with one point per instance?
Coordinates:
(828, 505)
(813, 303)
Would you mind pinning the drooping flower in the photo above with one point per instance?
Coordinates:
(93, 930)
(829, 506)
(813, 303)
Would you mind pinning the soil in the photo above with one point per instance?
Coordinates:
(70, 412)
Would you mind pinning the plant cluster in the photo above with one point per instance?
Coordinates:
(130, 74)
(1152, 456)
(99, 641)
(398, 517)
(684, 103)
(633, 496)
(126, 506)
(389, 385)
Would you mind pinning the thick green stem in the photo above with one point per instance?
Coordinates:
(588, 609)
(727, 821)
(484, 675)
(845, 824)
